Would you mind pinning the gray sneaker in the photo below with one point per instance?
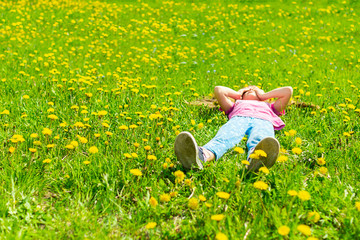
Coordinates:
(187, 151)
(271, 147)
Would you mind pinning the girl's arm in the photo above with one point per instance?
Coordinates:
(282, 94)
(223, 95)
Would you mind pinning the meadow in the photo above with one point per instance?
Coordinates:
(93, 94)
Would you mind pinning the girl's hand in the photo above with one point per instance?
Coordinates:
(259, 93)
(242, 91)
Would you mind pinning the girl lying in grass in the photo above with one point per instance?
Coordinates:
(250, 115)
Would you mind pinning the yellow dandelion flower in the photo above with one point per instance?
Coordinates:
(218, 217)
(147, 148)
(321, 161)
(26, 97)
(351, 106)
(193, 203)
(245, 162)
(346, 134)
(53, 117)
(298, 141)
(33, 150)
(312, 238)
(134, 155)
(260, 153)
(47, 161)
(74, 143)
(151, 225)
(304, 195)
(151, 157)
(261, 185)
(296, 150)
(47, 131)
(102, 113)
(136, 172)
(69, 146)
(123, 127)
(200, 125)
(292, 132)
(357, 205)
(323, 170)
(5, 112)
(93, 149)
(313, 216)
(17, 138)
(153, 202)
(304, 229)
(223, 195)
(179, 175)
(165, 197)
(79, 124)
(202, 198)
(221, 236)
(282, 158)
(11, 149)
(283, 230)
(239, 150)
(34, 135)
(188, 182)
(86, 162)
(283, 150)
(264, 170)
(292, 193)
(165, 165)
(82, 139)
(173, 194)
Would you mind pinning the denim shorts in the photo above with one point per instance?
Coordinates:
(231, 133)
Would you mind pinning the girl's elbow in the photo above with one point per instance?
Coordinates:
(217, 89)
(290, 89)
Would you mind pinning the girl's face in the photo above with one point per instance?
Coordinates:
(250, 94)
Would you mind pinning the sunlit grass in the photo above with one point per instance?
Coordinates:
(93, 94)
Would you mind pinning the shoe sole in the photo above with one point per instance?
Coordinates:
(186, 150)
(271, 147)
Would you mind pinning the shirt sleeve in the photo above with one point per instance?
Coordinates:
(275, 111)
(228, 111)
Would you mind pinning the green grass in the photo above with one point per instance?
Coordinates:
(140, 63)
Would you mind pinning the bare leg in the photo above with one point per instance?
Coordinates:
(209, 155)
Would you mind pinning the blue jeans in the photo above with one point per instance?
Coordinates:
(233, 132)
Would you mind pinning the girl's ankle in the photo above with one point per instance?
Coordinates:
(208, 155)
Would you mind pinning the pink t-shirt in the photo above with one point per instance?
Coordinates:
(257, 109)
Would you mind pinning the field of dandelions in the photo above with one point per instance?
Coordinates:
(93, 94)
